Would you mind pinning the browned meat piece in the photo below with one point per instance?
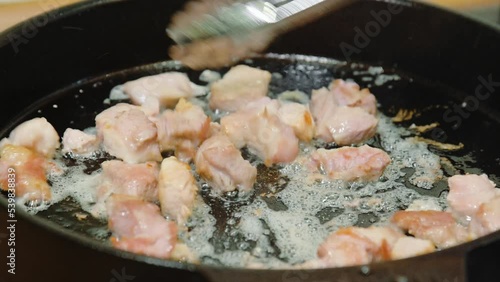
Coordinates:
(353, 246)
(177, 190)
(139, 227)
(487, 218)
(340, 118)
(30, 179)
(240, 86)
(183, 130)
(469, 192)
(299, 118)
(166, 88)
(437, 226)
(128, 134)
(351, 163)
(407, 246)
(348, 93)
(139, 180)
(220, 163)
(78, 142)
(36, 134)
(259, 127)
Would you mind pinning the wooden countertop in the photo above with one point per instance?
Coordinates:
(12, 13)
(465, 4)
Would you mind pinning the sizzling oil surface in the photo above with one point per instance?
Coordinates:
(290, 213)
(289, 217)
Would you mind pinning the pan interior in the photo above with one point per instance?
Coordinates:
(232, 235)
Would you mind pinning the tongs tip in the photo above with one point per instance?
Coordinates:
(235, 19)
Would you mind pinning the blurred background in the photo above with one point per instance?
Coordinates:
(14, 11)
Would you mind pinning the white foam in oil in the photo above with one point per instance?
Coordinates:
(78, 185)
(297, 231)
(73, 183)
(279, 238)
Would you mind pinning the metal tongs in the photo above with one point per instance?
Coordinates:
(215, 33)
(240, 18)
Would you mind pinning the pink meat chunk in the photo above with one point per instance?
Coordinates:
(354, 246)
(351, 126)
(348, 126)
(240, 86)
(77, 142)
(436, 226)
(344, 125)
(183, 129)
(177, 190)
(117, 177)
(128, 134)
(487, 218)
(166, 88)
(323, 105)
(151, 108)
(299, 118)
(236, 125)
(220, 163)
(351, 164)
(29, 174)
(468, 192)
(407, 246)
(214, 129)
(36, 134)
(345, 248)
(348, 93)
(259, 127)
(139, 227)
(383, 237)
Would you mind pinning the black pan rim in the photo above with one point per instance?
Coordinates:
(52, 16)
(75, 8)
(487, 24)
